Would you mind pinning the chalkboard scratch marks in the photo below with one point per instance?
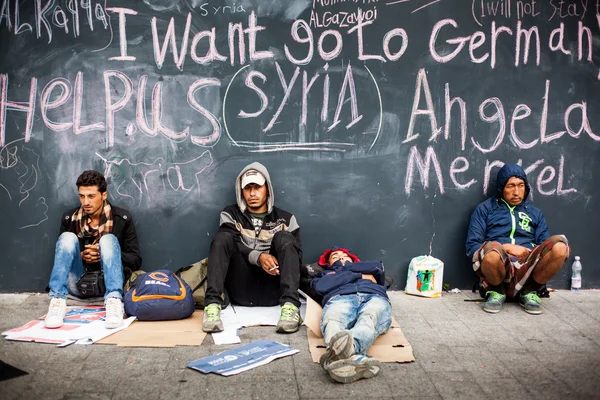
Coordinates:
(7, 192)
(397, 1)
(426, 5)
(156, 182)
(9, 156)
(31, 178)
(416, 9)
(41, 201)
(288, 9)
(380, 107)
(258, 147)
(225, 104)
(111, 34)
(162, 5)
(433, 227)
(295, 148)
(402, 217)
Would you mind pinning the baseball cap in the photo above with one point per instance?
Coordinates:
(252, 176)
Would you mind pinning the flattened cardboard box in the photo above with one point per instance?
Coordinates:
(389, 347)
(183, 332)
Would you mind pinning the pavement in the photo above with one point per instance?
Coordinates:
(461, 353)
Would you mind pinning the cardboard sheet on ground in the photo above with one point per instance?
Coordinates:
(183, 332)
(389, 347)
(82, 325)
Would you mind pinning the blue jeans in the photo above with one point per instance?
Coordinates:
(365, 315)
(68, 266)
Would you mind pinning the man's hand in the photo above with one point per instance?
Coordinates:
(518, 251)
(269, 264)
(91, 254)
(369, 277)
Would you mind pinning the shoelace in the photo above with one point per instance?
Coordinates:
(55, 309)
(287, 312)
(212, 313)
(533, 296)
(494, 296)
(112, 307)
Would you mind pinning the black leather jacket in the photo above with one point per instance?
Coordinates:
(123, 229)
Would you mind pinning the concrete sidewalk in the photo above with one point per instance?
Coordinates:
(461, 353)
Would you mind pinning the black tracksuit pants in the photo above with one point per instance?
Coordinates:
(250, 285)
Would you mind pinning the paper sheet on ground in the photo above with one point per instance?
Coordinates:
(231, 324)
(242, 358)
(82, 325)
(237, 317)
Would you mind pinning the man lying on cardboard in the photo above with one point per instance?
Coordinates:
(356, 310)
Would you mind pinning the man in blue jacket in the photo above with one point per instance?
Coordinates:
(356, 310)
(513, 254)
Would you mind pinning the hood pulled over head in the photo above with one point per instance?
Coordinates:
(254, 178)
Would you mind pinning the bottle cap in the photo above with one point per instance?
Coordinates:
(576, 258)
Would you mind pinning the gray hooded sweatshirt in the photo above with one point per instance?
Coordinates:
(236, 219)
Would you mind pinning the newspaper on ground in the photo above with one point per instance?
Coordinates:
(242, 358)
(82, 325)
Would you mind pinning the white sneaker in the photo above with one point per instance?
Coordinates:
(56, 313)
(114, 313)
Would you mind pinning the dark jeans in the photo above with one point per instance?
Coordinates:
(250, 285)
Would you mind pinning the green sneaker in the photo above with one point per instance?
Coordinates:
(289, 321)
(494, 301)
(212, 319)
(531, 303)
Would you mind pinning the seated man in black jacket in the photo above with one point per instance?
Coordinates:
(356, 310)
(95, 236)
(256, 255)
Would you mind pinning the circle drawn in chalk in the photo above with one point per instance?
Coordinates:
(295, 139)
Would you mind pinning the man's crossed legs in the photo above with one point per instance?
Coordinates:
(350, 324)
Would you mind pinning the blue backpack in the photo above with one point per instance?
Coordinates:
(158, 296)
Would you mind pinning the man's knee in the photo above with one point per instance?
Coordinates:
(494, 257)
(283, 239)
(493, 263)
(67, 242)
(108, 239)
(109, 245)
(223, 239)
(493, 248)
(560, 246)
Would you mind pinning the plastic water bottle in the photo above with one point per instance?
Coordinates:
(576, 276)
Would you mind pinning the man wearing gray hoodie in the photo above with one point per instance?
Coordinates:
(256, 254)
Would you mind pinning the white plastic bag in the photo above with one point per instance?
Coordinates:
(425, 277)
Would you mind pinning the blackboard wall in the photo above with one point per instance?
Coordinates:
(383, 123)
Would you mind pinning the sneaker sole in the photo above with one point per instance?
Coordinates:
(113, 326)
(342, 347)
(532, 312)
(213, 329)
(281, 329)
(491, 311)
(349, 371)
(53, 326)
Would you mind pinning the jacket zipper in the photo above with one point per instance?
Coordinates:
(514, 222)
